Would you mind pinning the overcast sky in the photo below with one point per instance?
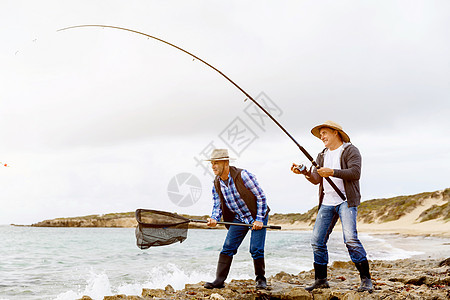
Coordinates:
(99, 120)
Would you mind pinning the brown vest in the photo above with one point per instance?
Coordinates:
(246, 195)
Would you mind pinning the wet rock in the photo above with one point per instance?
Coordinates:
(342, 265)
(297, 294)
(216, 297)
(401, 279)
(325, 294)
(351, 296)
(444, 281)
(445, 262)
(419, 280)
(283, 276)
(169, 289)
(121, 297)
(154, 293)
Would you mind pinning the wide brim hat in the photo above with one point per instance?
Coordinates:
(333, 125)
(220, 154)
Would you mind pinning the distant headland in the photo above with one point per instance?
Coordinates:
(421, 214)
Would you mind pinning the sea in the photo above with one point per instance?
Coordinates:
(67, 263)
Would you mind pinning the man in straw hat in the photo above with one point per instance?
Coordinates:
(237, 198)
(341, 161)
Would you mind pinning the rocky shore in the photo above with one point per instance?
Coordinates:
(400, 279)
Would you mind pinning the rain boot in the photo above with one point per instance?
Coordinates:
(223, 268)
(364, 274)
(320, 275)
(260, 271)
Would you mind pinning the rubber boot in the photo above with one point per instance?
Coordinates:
(320, 275)
(260, 271)
(223, 268)
(364, 274)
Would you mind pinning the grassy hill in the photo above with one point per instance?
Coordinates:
(384, 210)
(391, 209)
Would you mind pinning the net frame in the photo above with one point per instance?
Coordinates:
(159, 230)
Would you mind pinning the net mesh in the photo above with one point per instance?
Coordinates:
(159, 228)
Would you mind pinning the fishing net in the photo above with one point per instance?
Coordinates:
(159, 228)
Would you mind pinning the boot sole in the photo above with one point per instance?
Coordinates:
(210, 287)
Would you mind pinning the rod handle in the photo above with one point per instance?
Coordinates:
(238, 224)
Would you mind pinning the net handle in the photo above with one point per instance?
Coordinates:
(239, 224)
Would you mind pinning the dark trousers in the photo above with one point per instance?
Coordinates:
(236, 235)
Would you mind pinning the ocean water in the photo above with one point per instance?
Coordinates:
(67, 263)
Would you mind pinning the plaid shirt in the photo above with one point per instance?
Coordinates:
(234, 201)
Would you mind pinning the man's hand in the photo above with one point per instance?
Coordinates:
(325, 172)
(257, 225)
(211, 222)
(294, 169)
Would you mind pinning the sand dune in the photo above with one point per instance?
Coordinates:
(407, 224)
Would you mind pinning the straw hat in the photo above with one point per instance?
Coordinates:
(330, 124)
(219, 154)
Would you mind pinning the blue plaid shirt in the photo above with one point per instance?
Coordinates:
(234, 201)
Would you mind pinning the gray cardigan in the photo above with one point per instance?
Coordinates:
(350, 172)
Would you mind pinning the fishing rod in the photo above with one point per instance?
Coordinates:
(303, 150)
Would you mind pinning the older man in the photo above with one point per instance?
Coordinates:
(341, 161)
(238, 198)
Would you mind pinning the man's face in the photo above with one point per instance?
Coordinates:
(218, 166)
(329, 137)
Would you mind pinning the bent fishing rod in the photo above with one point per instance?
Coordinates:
(303, 150)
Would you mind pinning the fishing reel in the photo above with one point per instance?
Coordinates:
(302, 169)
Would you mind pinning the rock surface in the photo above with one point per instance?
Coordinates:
(401, 279)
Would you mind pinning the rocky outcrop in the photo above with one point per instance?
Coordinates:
(89, 222)
(402, 279)
(101, 221)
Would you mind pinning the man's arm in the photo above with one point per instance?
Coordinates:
(353, 170)
(216, 211)
(313, 176)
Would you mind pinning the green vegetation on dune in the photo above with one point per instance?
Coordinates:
(109, 216)
(436, 211)
(382, 210)
(391, 209)
(309, 217)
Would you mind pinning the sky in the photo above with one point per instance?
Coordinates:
(99, 120)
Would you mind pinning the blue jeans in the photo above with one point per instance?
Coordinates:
(236, 235)
(325, 221)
